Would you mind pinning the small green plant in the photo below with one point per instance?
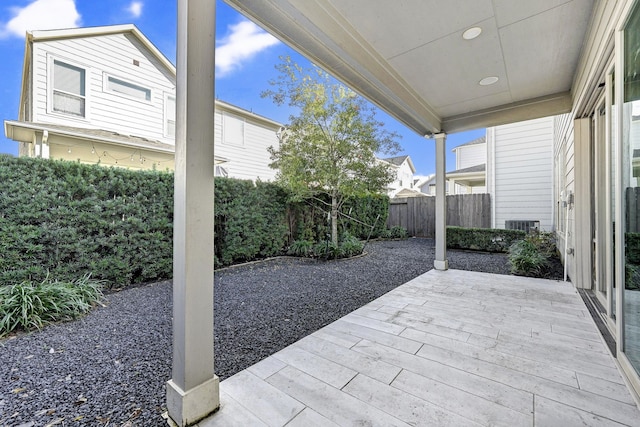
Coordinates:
(526, 259)
(303, 248)
(350, 246)
(398, 232)
(326, 250)
(27, 305)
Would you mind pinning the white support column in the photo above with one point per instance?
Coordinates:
(193, 391)
(40, 145)
(441, 262)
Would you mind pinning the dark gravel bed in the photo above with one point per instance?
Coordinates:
(110, 367)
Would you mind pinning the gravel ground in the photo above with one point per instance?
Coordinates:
(110, 367)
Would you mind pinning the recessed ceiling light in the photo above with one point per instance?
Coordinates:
(471, 33)
(488, 81)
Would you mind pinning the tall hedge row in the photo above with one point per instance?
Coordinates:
(250, 220)
(66, 219)
(361, 217)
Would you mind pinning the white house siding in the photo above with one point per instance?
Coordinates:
(247, 158)
(564, 183)
(523, 177)
(111, 55)
(405, 175)
(471, 155)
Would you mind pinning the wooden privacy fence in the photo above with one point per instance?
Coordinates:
(417, 214)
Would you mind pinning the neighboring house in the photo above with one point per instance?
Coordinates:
(107, 95)
(469, 176)
(425, 184)
(514, 164)
(520, 174)
(403, 184)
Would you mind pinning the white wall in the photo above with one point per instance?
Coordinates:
(471, 155)
(564, 183)
(247, 155)
(100, 56)
(521, 171)
(405, 175)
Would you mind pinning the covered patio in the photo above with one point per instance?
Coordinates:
(519, 351)
(445, 349)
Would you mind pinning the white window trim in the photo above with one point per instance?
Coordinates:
(166, 97)
(87, 91)
(105, 88)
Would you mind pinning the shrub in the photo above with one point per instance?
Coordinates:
(302, 248)
(360, 217)
(350, 246)
(526, 259)
(28, 306)
(250, 220)
(67, 219)
(545, 243)
(398, 232)
(326, 250)
(482, 239)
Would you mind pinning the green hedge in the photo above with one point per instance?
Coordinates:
(67, 220)
(309, 219)
(250, 220)
(482, 239)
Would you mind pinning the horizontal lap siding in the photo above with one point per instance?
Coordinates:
(564, 180)
(251, 159)
(113, 55)
(523, 172)
(471, 155)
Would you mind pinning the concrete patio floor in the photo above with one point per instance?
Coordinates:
(454, 348)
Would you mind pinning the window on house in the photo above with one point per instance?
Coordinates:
(233, 130)
(170, 116)
(221, 171)
(128, 89)
(69, 89)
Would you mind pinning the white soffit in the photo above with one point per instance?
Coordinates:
(409, 57)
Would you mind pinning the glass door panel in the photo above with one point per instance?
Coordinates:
(630, 187)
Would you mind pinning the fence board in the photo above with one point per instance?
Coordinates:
(417, 214)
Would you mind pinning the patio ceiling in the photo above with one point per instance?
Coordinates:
(409, 56)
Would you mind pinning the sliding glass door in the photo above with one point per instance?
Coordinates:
(629, 123)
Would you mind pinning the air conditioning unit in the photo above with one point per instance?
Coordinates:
(524, 225)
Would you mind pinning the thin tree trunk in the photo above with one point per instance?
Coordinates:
(334, 219)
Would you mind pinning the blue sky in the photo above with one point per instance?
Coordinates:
(245, 58)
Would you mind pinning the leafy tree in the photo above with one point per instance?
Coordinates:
(330, 145)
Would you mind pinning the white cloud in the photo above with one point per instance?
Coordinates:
(245, 40)
(41, 15)
(135, 9)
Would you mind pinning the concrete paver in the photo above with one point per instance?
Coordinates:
(453, 348)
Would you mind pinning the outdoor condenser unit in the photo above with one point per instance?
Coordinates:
(524, 225)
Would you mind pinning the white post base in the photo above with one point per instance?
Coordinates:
(441, 265)
(194, 405)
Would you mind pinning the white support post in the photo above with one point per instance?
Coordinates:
(193, 391)
(441, 262)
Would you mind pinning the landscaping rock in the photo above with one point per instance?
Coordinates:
(110, 367)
